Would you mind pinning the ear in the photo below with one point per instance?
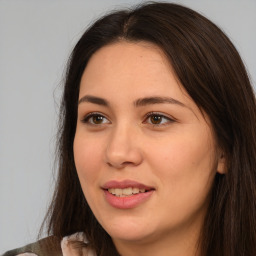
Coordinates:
(222, 166)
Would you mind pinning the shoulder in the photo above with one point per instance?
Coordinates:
(44, 247)
(54, 246)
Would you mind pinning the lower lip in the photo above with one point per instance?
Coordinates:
(127, 202)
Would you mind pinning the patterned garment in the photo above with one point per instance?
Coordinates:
(45, 247)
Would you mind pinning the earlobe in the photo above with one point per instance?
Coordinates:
(222, 167)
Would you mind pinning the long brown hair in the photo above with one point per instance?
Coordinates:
(212, 72)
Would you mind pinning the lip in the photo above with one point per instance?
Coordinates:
(127, 202)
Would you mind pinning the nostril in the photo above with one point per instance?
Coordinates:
(119, 165)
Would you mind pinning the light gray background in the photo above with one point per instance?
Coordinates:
(36, 38)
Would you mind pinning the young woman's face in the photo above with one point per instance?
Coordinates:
(144, 154)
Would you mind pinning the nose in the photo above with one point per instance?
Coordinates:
(123, 148)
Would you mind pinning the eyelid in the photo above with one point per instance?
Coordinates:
(170, 119)
(86, 118)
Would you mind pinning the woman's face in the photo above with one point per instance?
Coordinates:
(144, 154)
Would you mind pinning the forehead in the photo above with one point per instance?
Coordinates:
(129, 69)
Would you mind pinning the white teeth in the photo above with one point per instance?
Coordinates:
(126, 191)
(111, 190)
(118, 191)
(135, 190)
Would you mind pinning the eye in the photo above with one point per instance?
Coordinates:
(158, 119)
(95, 119)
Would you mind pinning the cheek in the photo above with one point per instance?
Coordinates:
(180, 152)
(87, 157)
(185, 164)
(185, 171)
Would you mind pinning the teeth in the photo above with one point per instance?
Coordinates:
(135, 190)
(126, 191)
(118, 191)
(111, 190)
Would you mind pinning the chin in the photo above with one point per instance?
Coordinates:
(130, 235)
(129, 230)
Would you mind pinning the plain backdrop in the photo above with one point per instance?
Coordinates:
(36, 38)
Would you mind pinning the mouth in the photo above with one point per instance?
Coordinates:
(127, 194)
(119, 192)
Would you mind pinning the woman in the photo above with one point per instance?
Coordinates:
(157, 146)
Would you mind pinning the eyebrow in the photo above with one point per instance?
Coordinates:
(94, 100)
(157, 100)
(138, 103)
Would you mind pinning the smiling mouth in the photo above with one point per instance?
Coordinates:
(126, 194)
(119, 192)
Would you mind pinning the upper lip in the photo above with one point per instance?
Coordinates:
(125, 184)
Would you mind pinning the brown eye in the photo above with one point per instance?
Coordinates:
(156, 119)
(95, 119)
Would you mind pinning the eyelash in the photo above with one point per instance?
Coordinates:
(156, 114)
(87, 118)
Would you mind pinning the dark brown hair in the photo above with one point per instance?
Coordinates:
(212, 72)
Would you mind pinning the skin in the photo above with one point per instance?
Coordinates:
(176, 155)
